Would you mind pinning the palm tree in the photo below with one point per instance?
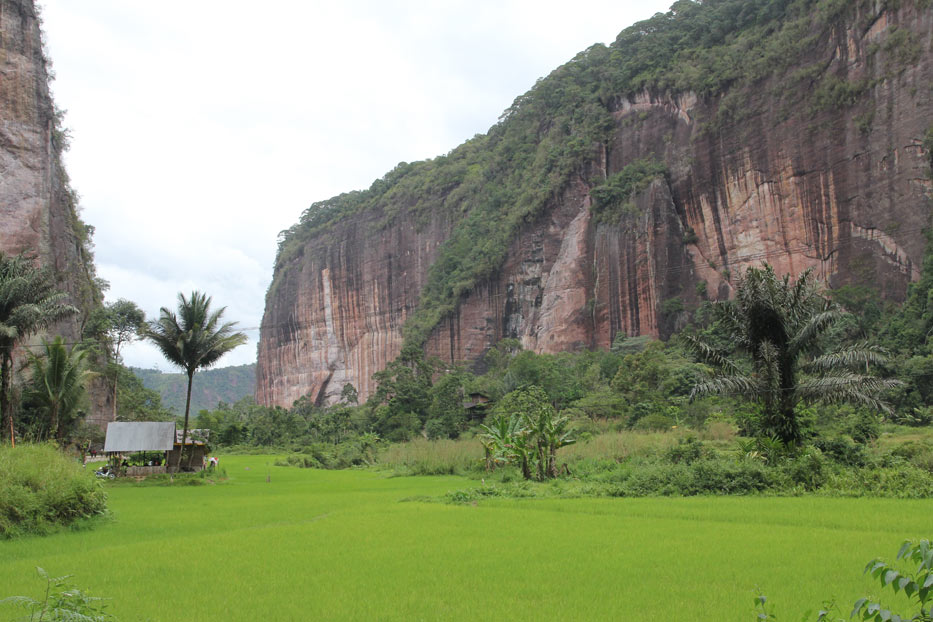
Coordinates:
(192, 339)
(28, 303)
(58, 383)
(775, 328)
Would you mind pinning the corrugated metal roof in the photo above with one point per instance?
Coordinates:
(196, 436)
(139, 436)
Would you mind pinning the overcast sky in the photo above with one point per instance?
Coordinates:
(202, 128)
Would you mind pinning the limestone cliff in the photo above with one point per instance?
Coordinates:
(815, 164)
(38, 212)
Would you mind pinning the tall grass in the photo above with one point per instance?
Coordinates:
(619, 446)
(41, 489)
(462, 456)
(441, 457)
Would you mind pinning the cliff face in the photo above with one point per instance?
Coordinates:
(37, 207)
(831, 176)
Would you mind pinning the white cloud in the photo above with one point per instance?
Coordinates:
(202, 129)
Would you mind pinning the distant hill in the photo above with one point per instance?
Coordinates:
(224, 384)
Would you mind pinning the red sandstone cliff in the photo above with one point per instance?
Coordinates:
(37, 207)
(842, 189)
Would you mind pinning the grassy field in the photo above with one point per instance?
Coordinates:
(344, 545)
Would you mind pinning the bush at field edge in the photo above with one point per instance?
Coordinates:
(41, 489)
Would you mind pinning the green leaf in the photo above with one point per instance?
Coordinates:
(858, 606)
(901, 583)
(889, 577)
(904, 548)
(885, 615)
(929, 580)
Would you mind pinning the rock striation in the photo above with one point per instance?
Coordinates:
(835, 183)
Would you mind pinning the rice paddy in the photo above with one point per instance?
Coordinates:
(310, 544)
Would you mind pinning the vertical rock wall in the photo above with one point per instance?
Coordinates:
(763, 175)
(37, 208)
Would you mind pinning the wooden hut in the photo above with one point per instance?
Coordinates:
(195, 455)
(476, 406)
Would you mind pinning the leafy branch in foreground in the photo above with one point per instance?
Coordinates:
(61, 602)
(918, 588)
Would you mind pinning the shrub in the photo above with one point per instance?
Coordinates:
(807, 470)
(326, 456)
(687, 450)
(863, 426)
(41, 489)
(703, 477)
(903, 481)
(918, 453)
(842, 450)
(62, 601)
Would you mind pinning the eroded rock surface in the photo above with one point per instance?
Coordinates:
(844, 190)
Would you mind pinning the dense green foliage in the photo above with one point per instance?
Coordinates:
(29, 302)
(41, 489)
(222, 384)
(56, 393)
(111, 327)
(612, 198)
(526, 432)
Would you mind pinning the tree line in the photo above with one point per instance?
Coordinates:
(53, 397)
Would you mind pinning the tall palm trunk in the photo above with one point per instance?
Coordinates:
(55, 432)
(184, 432)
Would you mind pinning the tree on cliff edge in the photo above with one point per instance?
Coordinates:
(192, 339)
(29, 302)
(775, 330)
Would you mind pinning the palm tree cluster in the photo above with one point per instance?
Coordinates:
(193, 338)
(777, 355)
(526, 432)
(29, 303)
(58, 384)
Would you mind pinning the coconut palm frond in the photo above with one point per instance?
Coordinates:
(192, 338)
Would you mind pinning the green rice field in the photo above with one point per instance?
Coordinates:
(346, 545)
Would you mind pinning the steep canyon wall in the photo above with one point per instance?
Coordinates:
(38, 211)
(819, 169)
